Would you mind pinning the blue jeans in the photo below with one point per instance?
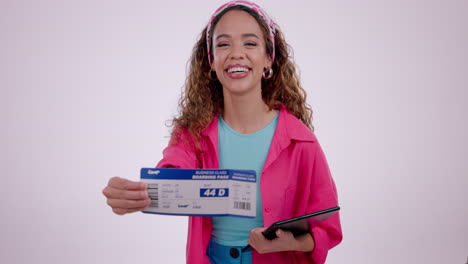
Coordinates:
(221, 254)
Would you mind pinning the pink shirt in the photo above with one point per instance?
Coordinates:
(295, 180)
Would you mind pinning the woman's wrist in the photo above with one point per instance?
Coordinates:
(304, 243)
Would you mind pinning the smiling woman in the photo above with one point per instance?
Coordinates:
(239, 55)
(244, 108)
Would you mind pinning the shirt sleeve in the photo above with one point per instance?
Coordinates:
(179, 153)
(323, 195)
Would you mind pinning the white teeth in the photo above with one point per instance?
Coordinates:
(238, 69)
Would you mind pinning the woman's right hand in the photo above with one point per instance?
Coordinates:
(125, 196)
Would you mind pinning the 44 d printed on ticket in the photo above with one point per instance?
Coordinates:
(201, 192)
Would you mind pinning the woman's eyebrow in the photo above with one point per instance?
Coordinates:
(223, 36)
(246, 35)
(250, 35)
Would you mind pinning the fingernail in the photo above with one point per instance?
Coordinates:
(144, 195)
(142, 185)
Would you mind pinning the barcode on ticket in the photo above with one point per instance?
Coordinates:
(153, 192)
(241, 205)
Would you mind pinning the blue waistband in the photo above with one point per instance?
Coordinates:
(229, 254)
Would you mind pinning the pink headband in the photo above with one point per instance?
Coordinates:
(250, 5)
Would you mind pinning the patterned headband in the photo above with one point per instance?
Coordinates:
(250, 5)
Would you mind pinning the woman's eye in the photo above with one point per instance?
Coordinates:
(251, 44)
(221, 45)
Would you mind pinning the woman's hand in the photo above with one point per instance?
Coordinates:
(285, 241)
(125, 196)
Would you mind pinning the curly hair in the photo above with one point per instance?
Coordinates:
(202, 98)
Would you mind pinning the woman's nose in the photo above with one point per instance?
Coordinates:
(237, 52)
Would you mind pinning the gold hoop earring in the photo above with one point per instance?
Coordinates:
(211, 75)
(270, 74)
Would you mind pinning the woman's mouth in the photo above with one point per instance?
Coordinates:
(238, 72)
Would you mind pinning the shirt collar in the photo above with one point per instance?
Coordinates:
(288, 128)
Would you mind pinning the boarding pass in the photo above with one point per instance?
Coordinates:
(201, 192)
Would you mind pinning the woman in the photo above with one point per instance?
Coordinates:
(243, 108)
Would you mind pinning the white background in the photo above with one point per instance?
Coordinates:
(87, 86)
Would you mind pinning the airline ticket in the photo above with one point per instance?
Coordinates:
(201, 192)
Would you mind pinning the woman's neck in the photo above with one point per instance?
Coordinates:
(247, 114)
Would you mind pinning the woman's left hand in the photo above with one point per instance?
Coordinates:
(285, 241)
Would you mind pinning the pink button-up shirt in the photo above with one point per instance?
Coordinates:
(295, 180)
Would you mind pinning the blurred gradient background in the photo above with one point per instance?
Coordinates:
(87, 88)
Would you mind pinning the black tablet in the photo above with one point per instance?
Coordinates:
(301, 224)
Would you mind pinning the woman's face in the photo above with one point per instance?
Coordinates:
(239, 53)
